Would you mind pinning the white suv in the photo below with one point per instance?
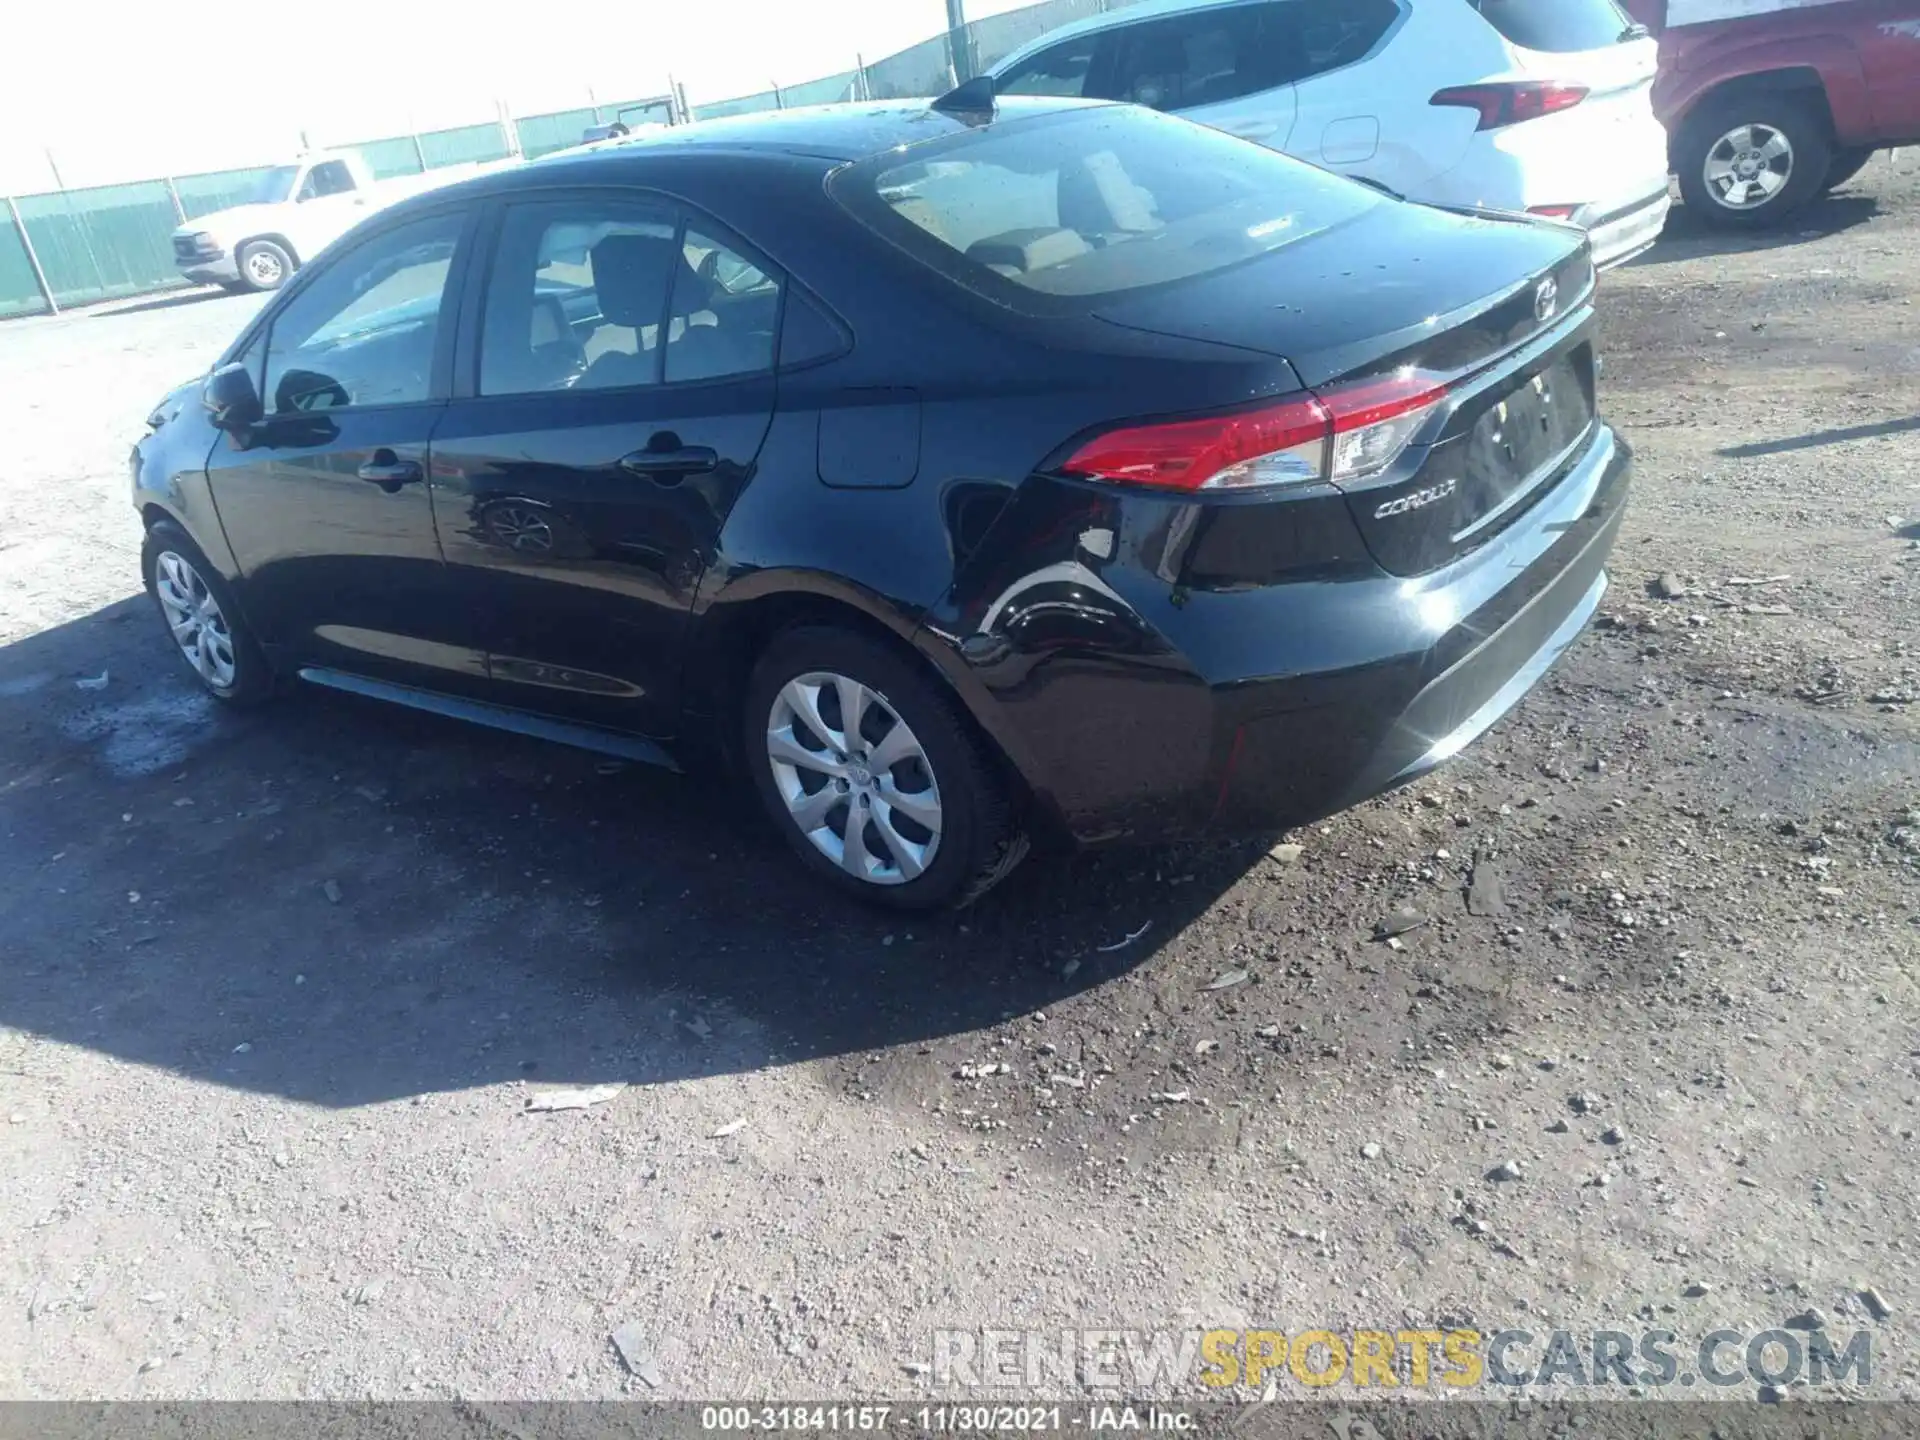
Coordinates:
(1536, 105)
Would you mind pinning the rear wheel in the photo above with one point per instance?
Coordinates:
(263, 265)
(872, 776)
(202, 618)
(1846, 164)
(1749, 163)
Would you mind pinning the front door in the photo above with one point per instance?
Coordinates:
(623, 388)
(325, 503)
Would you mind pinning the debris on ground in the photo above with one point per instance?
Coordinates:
(732, 1127)
(1876, 1304)
(1398, 923)
(982, 1072)
(1125, 940)
(1286, 853)
(1229, 980)
(636, 1353)
(331, 889)
(92, 682)
(1506, 1170)
(1486, 894)
(1170, 1097)
(577, 1097)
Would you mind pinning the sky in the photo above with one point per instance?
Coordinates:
(197, 88)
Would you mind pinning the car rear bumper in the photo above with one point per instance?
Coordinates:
(1619, 235)
(1195, 712)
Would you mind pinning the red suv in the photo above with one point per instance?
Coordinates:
(1768, 103)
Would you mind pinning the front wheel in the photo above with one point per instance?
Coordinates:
(263, 265)
(1748, 164)
(872, 776)
(203, 619)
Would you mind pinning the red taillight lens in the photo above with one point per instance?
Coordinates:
(1553, 212)
(1342, 434)
(1509, 103)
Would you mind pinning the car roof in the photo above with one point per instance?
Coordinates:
(838, 133)
(1112, 20)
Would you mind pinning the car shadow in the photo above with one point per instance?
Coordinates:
(1818, 438)
(1688, 237)
(172, 300)
(344, 903)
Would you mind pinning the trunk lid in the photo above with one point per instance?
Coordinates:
(1494, 306)
(1400, 284)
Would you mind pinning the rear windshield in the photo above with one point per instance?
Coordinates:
(1068, 208)
(1557, 26)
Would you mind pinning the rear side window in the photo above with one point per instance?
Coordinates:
(1201, 58)
(1557, 26)
(1063, 70)
(1316, 36)
(1053, 214)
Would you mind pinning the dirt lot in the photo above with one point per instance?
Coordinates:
(276, 991)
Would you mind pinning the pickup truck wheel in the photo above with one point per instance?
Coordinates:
(1748, 163)
(1846, 164)
(264, 265)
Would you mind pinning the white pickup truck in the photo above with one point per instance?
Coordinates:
(296, 211)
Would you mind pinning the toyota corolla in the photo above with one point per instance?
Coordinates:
(963, 473)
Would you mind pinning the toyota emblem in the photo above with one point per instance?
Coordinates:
(1546, 300)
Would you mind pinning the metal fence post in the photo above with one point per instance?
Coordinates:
(33, 260)
(179, 210)
(419, 155)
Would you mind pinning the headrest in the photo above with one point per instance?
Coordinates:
(631, 274)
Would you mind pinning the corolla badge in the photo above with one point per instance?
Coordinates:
(1418, 500)
(1546, 299)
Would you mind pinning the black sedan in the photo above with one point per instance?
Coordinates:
(965, 473)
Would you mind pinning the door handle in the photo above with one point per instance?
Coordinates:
(668, 465)
(390, 472)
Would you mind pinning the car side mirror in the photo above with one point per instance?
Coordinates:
(232, 401)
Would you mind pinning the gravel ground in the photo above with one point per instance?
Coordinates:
(277, 990)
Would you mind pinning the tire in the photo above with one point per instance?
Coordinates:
(264, 265)
(1769, 149)
(220, 649)
(901, 862)
(1846, 164)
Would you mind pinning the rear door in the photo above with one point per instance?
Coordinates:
(325, 504)
(1351, 115)
(608, 412)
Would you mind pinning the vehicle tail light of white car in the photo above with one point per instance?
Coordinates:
(1337, 435)
(1553, 212)
(1510, 102)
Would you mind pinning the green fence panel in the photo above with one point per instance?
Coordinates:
(745, 105)
(388, 158)
(543, 134)
(19, 291)
(830, 90)
(997, 36)
(463, 145)
(103, 243)
(922, 69)
(217, 189)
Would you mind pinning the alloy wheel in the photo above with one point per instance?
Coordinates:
(194, 616)
(1748, 166)
(855, 778)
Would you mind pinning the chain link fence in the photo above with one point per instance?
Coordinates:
(75, 247)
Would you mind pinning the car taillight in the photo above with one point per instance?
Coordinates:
(1553, 212)
(1337, 435)
(1510, 102)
